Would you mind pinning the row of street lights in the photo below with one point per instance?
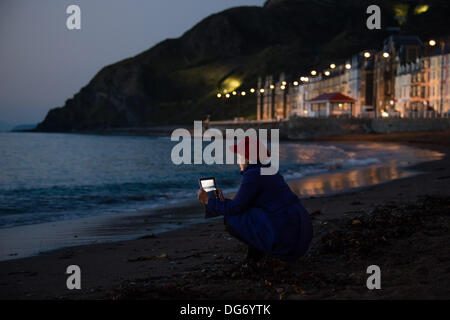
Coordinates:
(304, 79)
(283, 86)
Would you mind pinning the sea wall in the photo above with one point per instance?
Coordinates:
(390, 125)
(307, 128)
(223, 125)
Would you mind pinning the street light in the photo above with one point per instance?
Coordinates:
(284, 83)
(243, 93)
(252, 90)
(227, 95)
(261, 90)
(283, 87)
(348, 66)
(367, 54)
(327, 73)
(313, 72)
(219, 95)
(295, 83)
(272, 86)
(234, 93)
(332, 66)
(386, 54)
(433, 43)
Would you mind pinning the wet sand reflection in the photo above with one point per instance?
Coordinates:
(330, 183)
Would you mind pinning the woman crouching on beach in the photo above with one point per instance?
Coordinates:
(265, 214)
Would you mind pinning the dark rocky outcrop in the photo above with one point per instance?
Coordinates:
(176, 81)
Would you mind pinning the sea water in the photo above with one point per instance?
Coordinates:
(52, 177)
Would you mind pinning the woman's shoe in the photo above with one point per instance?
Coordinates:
(254, 255)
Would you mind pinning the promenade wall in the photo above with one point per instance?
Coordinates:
(307, 128)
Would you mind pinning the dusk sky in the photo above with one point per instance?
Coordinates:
(42, 63)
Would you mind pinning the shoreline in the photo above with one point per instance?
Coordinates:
(45, 237)
(121, 226)
(174, 257)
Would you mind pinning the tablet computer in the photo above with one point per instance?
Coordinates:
(209, 185)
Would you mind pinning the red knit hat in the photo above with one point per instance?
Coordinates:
(243, 149)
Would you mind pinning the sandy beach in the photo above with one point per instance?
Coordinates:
(401, 225)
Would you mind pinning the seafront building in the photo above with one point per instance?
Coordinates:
(407, 78)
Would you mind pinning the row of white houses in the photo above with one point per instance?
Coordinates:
(405, 79)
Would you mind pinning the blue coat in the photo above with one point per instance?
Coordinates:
(267, 214)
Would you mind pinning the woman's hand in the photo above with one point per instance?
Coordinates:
(219, 191)
(202, 196)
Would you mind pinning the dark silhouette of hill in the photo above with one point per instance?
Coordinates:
(177, 80)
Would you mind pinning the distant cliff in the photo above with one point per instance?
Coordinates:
(176, 81)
